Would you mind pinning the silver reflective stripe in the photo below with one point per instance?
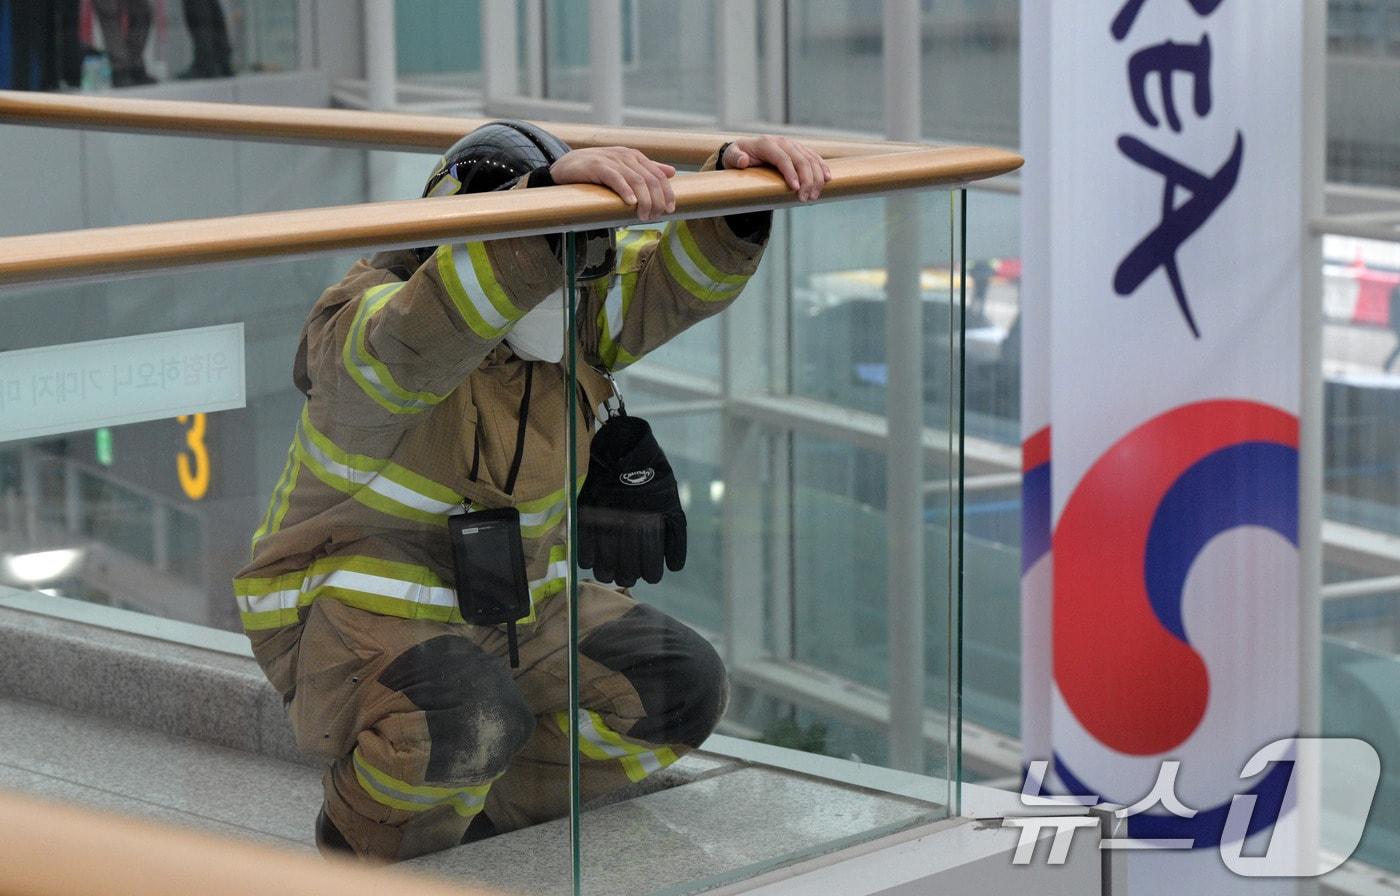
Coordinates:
(476, 293)
(383, 586)
(540, 518)
(682, 257)
(613, 309)
(266, 603)
(375, 481)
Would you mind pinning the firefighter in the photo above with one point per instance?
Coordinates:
(433, 379)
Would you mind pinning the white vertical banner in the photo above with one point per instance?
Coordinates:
(1172, 251)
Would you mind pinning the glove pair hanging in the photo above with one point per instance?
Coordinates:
(630, 518)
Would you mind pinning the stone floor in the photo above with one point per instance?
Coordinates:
(715, 819)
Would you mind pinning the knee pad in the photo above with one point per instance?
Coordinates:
(676, 673)
(477, 719)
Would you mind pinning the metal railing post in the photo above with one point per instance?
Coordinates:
(904, 459)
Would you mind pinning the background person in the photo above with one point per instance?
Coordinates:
(213, 57)
(126, 26)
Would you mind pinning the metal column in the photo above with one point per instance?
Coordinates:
(306, 35)
(736, 61)
(499, 68)
(381, 75)
(904, 473)
(534, 48)
(775, 58)
(1311, 434)
(605, 60)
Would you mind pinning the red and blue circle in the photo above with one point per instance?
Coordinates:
(1123, 547)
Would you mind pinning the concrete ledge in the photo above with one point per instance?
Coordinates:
(174, 678)
(179, 689)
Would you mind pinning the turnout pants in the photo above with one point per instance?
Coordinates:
(426, 726)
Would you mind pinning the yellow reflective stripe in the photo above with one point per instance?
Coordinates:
(390, 791)
(598, 741)
(371, 374)
(539, 515)
(475, 297)
(693, 271)
(374, 482)
(280, 501)
(421, 486)
(612, 315)
(387, 587)
(448, 186)
(258, 622)
(554, 580)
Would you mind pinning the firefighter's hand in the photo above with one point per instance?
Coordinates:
(627, 172)
(800, 166)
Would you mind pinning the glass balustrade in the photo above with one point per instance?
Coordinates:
(794, 688)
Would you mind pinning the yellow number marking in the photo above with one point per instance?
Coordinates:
(195, 482)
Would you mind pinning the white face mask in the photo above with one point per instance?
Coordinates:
(539, 335)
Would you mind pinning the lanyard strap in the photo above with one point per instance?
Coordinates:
(521, 427)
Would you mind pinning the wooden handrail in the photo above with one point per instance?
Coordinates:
(134, 248)
(354, 128)
(858, 169)
(52, 850)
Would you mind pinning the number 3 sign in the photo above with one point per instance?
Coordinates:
(194, 476)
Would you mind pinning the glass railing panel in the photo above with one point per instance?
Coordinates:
(181, 41)
(1360, 305)
(667, 54)
(96, 179)
(784, 592)
(151, 504)
(140, 44)
(174, 498)
(1360, 684)
(970, 56)
(837, 311)
(144, 443)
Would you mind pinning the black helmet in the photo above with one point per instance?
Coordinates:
(498, 153)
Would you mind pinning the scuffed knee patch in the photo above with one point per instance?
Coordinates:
(677, 674)
(476, 717)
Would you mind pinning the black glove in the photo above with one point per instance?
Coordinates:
(630, 516)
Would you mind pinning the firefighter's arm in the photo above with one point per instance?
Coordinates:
(398, 347)
(670, 279)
